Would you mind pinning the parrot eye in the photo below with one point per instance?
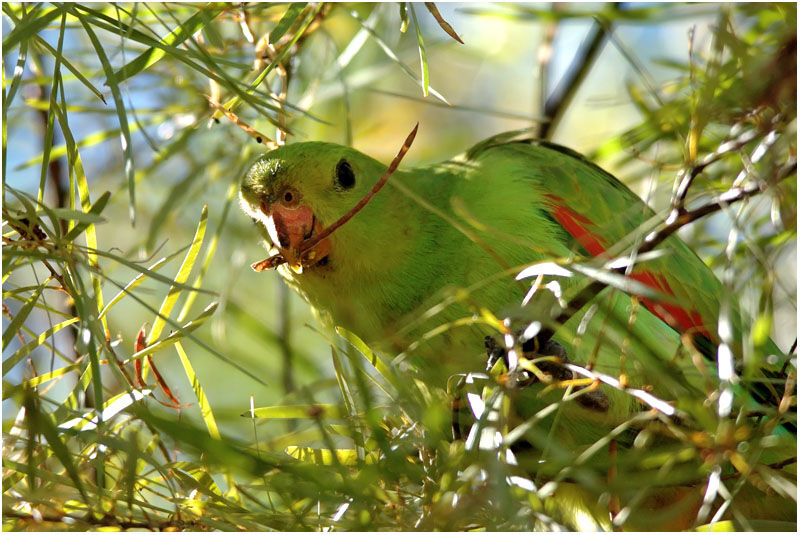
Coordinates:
(345, 178)
(289, 198)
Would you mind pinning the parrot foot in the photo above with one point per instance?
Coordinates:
(593, 399)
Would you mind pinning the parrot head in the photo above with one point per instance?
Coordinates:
(356, 275)
(296, 191)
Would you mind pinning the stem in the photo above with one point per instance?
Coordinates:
(557, 103)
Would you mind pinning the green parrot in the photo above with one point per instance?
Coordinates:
(422, 269)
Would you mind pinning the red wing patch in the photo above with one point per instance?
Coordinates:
(673, 315)
(579, 226)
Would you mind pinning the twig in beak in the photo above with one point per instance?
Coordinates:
(276, 260)
(312, 241)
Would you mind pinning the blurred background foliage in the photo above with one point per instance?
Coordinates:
(122, 238)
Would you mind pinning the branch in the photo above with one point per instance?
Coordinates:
(557, 102)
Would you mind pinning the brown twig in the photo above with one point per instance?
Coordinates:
(252, 132)
(61, 519)
(557, 103)
(690, 174)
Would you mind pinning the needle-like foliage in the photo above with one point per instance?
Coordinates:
(151, 380)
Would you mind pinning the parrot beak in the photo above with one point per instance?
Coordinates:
(289, 228)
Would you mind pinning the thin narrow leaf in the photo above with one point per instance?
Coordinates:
(232, 103)
(292, 14)
(202, 400)
(30, 25)
(344, 457)
(442, 23)
(121, 112)
(40, 423)
(11, 390)
(390, 53)
(49, 130)
(74, 215)
(140, 278)
(87, 221)
(403, 17)
(170, 41)
(233, 190)
(72, 68)
(82, 186)
(180, 278)
(178, 334)
(111, 408)
(25, 350)
(89, 141)
(19, 318)
(313, 411)
(423, 57)
(362, 348)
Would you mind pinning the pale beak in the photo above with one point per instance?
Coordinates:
(288, 228)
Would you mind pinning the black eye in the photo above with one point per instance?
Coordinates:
(345, 178)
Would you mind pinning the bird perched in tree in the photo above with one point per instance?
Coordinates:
(446, 240)
(424, 267)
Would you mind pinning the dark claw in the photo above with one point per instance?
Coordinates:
(494, 351)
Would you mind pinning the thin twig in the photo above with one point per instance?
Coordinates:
(558, 102)
(252, 132)
(688, 176)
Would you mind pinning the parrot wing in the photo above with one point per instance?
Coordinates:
(597, 211)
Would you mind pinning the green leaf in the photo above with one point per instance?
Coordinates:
(340, 456)
(403, 16)
(176, 335)
(202, 400)
(313, 411)
(762, 329)
(390, 53)
(88, 218)
(49, 130)
(140, 278)
(127, 149)
(232, 103)
(180, 278)
(88, 141)
(25, 350)
(111, 408)
(35, 21)
(41, 423)
(364, 349)
(292, 14)
(10, 390)
(74, 215)
(170, 41)
(13, 327)
(423, 57)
